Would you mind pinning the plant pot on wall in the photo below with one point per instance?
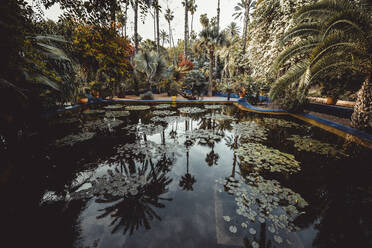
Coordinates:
(331, 100)
(83, 100)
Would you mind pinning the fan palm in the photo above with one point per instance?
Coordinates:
(153, 65)
(341, 42)
(169, 16)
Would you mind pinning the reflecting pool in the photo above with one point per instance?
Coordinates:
(185, 176)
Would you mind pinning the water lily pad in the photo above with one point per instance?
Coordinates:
(191, 110)
(111, 107)
(163, 112)
(227, 218)
(252, 231)
(244, 225)
(264, 158)
(250, 131)
(278, 239)
(137, 107)
(312, 145)
(94, 111)
(117, 114)
(213, 106)
(233, 229)
(255, 244)
(163, 106)
(72, 139)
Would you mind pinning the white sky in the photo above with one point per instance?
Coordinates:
(146, 30)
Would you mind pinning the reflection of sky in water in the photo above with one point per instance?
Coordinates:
(191, 218)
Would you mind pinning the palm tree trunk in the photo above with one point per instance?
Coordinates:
(211, 61)
(157, 30)
(126, 19)
(136, 26)
(218, 16)
(192, 24)
(154, 16)
(362, 116)
(245, 25)
(186, 29)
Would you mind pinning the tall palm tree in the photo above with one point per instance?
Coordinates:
(218, 15)
(340, 43)
(243, 9)
(233, 29)
(210, 39)
(164, 36)
(169, 16)
(192, 9)
(157, 8)
(186, 36)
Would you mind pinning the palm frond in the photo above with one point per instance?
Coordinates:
(304, 29)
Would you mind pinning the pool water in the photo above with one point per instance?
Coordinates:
(186, 176)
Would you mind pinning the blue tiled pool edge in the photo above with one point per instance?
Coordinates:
(328, 125)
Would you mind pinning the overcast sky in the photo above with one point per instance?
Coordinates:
(146, 30)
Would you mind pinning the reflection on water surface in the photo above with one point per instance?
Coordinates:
(188, 176)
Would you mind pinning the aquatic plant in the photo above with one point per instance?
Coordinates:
(162, 106)
(94, 111)
(205, 136)
(260, 157)
(275, 123)
(117, 114)
(191, 110)
(72, 139)
(264, 201)
(164, 112)
(220, 117)
(250, 130)
(111, 107)
(137, 107)
(312, 145)
(102, 124)
(213, 106)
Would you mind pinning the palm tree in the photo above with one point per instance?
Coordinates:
(243, 9)
(187, 181)
(210, 39)
(135, 9)
(186, 37)
(169, 16)
(152, 65)
(157, 8)
(192, 9)
(218, 15)
(341, 43)
(164, 36)
(233, 29)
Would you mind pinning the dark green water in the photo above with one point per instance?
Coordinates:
(218, 178)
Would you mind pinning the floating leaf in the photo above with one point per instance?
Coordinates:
(278, 239)
(311, 145)
(162, 106)
(191, 110)
(255, 244)
(233, 229)
(137, 107)
(263, 157)
(227, 218)
(252, 231)
(111, 107)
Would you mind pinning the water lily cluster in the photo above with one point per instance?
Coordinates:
(260, 157)
(312, 145)
(259, 200)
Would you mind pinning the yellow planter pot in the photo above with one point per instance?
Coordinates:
(174, 98)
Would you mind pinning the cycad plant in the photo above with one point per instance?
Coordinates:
(331, 37)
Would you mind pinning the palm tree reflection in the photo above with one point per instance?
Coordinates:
(132, 210)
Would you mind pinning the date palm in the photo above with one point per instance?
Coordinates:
(242, 9)
(192, 9)
(335, 37)
(164, 37)
(169, 16)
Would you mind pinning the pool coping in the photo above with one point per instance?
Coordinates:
(346, 132)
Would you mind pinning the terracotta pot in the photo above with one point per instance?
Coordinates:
(174, 98)
(83, 100)
(331, 100)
